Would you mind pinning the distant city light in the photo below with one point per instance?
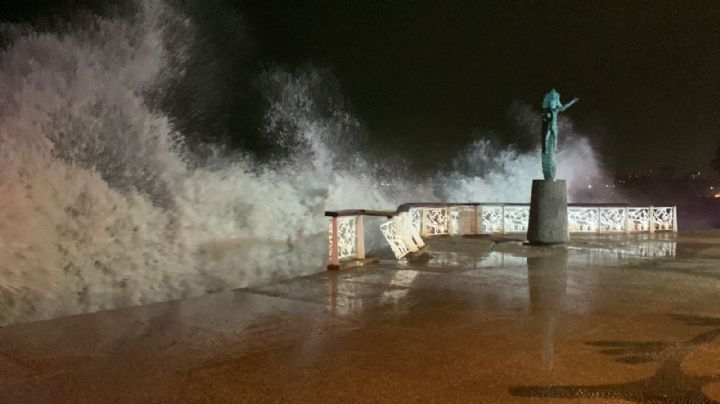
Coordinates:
(717, 195)
(589, 186)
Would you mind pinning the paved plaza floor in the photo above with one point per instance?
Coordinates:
(610, 318)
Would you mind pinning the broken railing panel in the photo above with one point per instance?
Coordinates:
(402, 235)
(394, 239)
(416, 219)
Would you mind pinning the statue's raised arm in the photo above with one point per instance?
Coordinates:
(569, 104)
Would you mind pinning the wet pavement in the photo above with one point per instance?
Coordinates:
(604, 319)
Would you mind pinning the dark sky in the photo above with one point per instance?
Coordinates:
(425, 75)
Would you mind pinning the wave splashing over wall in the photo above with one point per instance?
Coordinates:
(101, 206)
(489, 172)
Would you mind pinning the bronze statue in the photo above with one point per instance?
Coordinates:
(551, 108)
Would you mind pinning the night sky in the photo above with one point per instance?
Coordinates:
(425, 77)
(647, 72)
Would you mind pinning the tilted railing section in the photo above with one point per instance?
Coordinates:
(346, 235)
(411, 222)
(402, 234)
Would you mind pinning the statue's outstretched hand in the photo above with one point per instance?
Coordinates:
(569, 104)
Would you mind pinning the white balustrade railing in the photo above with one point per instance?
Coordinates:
(346, 236)
(436, 221)
(346, 239)
(407, 227)
(516, 219)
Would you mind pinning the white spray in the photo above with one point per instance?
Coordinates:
(100, 208)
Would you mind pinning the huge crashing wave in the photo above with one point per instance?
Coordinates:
(103, 205)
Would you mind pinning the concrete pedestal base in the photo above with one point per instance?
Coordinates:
(548, 213)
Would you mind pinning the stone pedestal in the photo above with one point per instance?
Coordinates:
(548, 213)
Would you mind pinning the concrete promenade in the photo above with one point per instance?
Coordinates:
(606, 318)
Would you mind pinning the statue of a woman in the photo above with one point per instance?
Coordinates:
(551, 108)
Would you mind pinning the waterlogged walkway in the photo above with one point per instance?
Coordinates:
(603, 319)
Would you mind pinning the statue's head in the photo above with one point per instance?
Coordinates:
(552, 100)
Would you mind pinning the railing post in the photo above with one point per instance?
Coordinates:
(675, 228)
(651, 219)
(569, 225)
(502, 214)
(334, 259)
(475, 220)
(627, 220)
(359, 237)
(423, 225)
(448, 220)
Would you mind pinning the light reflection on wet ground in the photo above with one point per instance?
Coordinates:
(603, 318)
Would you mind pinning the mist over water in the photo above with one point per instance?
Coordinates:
(104, 205)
